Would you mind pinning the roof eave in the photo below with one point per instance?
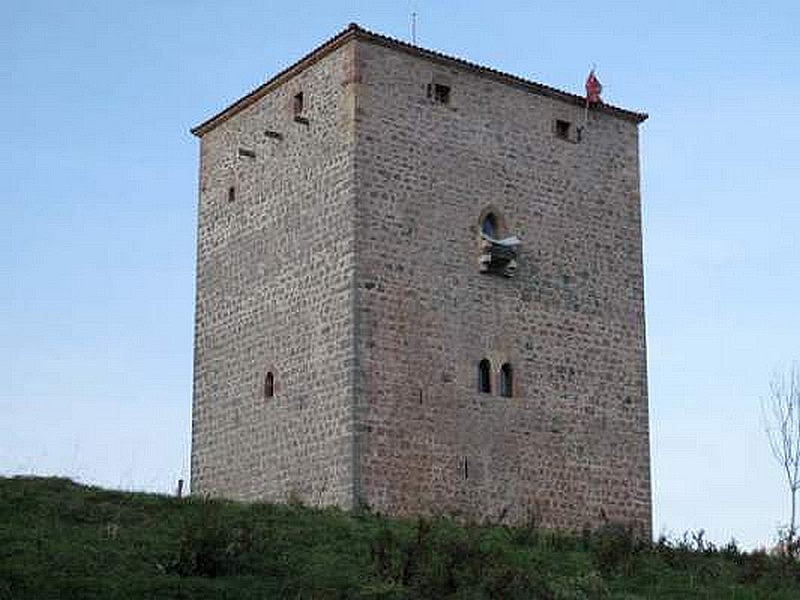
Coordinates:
(355, 31)
(306, 61)
(501, 76)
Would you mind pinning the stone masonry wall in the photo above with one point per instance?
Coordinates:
(274, 293)
(571, 446)
(347, 265)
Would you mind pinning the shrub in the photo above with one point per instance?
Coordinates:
(208, 548)
(590, 586)
(613, 546)
(754, 567)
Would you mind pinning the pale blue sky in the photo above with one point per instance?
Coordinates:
(98, 189)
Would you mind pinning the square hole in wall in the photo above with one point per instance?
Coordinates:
(563, 129)
(439, 93)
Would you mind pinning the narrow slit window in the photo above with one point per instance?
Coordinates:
(297, 106)
(506, 381)
(466, 468)
(269, 385)
(485, 377)
(231, 194)
(489, 226)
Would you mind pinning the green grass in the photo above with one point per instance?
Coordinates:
(60, 540)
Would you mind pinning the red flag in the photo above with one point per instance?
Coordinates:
(593, 89)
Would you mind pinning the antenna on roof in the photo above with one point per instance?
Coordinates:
(412, 6)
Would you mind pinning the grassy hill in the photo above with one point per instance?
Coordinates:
(60, 540)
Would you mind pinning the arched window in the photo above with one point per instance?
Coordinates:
(506, 381)
(485, 377)
(489, 225)
(269, 385)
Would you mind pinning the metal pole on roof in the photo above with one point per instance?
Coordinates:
(414, 27)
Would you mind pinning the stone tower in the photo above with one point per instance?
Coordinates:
(419, 289)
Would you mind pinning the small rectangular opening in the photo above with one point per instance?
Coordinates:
(247, 153)
(231, 194)
(441, 93)
(563, 129)
(297, 105)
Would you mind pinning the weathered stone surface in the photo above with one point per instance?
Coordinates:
(274, 293)
(347, 265)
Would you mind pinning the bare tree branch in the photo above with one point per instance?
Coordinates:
(781, 414)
